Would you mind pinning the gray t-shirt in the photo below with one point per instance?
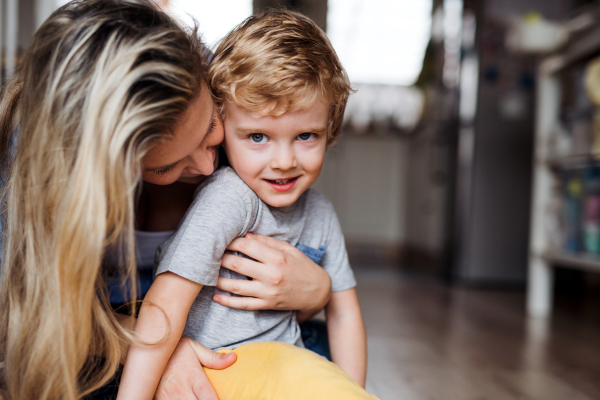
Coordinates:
(226, 208)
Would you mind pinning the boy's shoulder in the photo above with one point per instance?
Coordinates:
(222, 175)
(225, 182)
(316, 203)
(226, 177)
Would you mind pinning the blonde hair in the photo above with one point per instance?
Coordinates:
(279, 59)
(101, 81)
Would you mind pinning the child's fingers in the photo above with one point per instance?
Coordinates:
(241, 303)
(240, 287)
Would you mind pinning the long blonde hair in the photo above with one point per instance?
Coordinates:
(101, 81)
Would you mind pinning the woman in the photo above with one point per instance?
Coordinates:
(110, 92)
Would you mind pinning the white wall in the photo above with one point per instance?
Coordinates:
(427, 200)
(365, 177)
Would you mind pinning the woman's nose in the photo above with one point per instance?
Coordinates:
(202, 161)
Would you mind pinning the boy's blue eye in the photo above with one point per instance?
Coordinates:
(306, 136)
(258, 138)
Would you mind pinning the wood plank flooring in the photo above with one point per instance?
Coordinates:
(429, 341)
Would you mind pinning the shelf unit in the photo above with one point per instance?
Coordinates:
(586, 262)
(543, 258)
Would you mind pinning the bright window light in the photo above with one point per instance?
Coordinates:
(380, 41)
(215, 18)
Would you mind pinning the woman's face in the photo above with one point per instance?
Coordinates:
(189, 154)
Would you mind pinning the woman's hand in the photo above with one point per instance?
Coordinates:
(184, 378)
(283, 277)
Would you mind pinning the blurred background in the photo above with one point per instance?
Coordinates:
(466, 180)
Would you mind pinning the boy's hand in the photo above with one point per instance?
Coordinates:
(184, 378)
(283, 277)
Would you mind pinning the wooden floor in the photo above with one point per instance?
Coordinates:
(430, 341)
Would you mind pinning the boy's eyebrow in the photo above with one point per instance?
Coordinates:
(260, 130)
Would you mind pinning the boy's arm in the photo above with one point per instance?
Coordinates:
(170, 295)
(347, 336)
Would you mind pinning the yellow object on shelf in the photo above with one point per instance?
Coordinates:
(592, 81)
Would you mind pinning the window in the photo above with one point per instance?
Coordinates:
(380, 41)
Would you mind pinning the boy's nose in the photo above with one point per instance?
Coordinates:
(283, 159)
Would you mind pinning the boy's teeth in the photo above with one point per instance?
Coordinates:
(281, 182)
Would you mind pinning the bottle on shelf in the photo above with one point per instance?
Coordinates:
(591, 209)
(573, 210)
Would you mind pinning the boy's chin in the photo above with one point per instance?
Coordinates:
(282, 201)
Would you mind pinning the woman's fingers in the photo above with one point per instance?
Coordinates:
(210, 358)
(184, 378)
(270, 242)
(262, 250)
(240, 287)
(243, 266)
(242, 303)
(284, 278)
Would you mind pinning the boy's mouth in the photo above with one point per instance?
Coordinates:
(282, 185)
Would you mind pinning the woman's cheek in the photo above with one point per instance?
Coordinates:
(155, 179)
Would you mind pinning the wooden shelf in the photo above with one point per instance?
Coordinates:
(574, 161)
(576, 51)
(586, 262)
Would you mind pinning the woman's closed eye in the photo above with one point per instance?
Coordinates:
(306, 136)
(258, 138)
(164, 170)
(213, 124)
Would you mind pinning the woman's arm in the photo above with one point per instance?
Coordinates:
(162, 319)
(283, 278)
(184, 378)
(347, 336)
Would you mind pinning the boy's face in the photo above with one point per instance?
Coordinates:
(278, 157)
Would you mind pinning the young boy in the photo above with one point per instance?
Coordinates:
(281, 92)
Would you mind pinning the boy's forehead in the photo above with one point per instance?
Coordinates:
(279, 107)
(315, 114)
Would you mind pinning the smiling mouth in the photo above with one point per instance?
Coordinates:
(282, 181)
(282, 185)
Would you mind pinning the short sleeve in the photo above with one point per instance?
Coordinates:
(335, 261)
(219, 214)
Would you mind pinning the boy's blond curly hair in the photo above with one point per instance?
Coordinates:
(281, 60)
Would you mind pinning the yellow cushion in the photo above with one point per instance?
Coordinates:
(281, 371)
